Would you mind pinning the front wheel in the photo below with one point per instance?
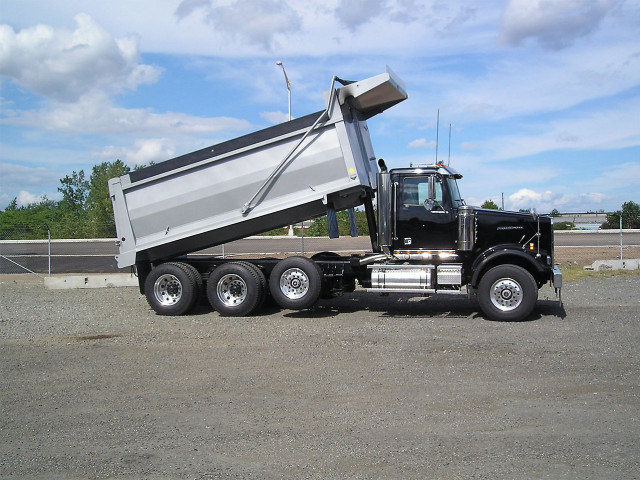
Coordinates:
(507, 293)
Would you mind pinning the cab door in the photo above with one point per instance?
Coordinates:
(420, 224)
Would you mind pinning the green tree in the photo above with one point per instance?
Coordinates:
(84, 211)
(74, 189)
(29, 222)
(72, 212)
(554, 213)
(13, 205)
(490, 204)
(563, 226)
(99, 207)
(630, 217)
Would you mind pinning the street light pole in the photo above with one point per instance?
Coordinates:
(286, 78)
(288, 85)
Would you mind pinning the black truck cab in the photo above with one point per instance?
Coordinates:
(427, 201)
(436, 243)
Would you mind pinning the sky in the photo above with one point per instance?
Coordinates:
(541, 97)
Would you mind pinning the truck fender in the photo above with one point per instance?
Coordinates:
(142, 271)
(500, 255)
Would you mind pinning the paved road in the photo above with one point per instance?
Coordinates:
(97, 256)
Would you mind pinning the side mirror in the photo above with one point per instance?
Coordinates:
(430, 201)
(428, 204)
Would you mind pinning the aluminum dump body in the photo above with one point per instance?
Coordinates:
(267, 179)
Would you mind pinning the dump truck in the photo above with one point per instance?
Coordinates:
(425, 240)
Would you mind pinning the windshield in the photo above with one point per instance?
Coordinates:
(455, 193)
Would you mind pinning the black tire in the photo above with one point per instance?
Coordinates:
(235, 289)
(325, 256)
(197, 277)
(296, 283)
(507, 293)
(172, 288)
(264, 286)
(201, 292)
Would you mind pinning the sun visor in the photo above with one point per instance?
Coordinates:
(375, 94)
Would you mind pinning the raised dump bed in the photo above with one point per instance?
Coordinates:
(267, 179)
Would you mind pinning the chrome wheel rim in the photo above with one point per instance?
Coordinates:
(167, 289)
(506, 294)
(231, 290)
(294, 283)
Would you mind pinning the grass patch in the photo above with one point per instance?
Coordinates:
(575, 273)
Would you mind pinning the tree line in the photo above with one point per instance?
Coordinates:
(630, 213)
(85, 210)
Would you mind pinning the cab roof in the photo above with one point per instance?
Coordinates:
(418, 168)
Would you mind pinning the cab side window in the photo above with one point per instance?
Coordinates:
(416, 191)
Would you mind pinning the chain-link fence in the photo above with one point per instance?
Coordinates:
(19, 255)
(45, 256)
(49, 255)
(41, 248)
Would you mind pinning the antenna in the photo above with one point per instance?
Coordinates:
(437, 134)
(449, 160)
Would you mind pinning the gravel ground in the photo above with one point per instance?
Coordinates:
(94, 385)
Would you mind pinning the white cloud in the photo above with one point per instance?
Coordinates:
(525, 197)
(275, 117)
(13, 174)
(422, 143)
(259, 22)
(470, 146)
(554, 24)
(514, 85)
(25, 198)
(547, 200)
(616, 176)
(250, 28)
(65, 65)
(353, 13)
(95, 114)
(590, 131)
(143, 152)
(299, 28)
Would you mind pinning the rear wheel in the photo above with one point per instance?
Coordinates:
(196, 277)
(264, 286)
(236, 289)
(172, 288)
(296, 283)
(507, 293)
